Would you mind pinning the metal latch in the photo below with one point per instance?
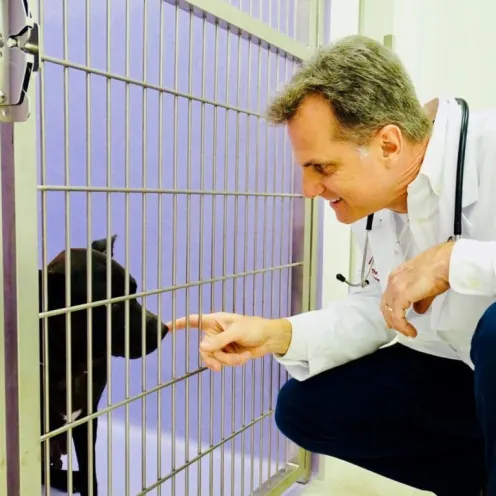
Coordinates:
(19, 58)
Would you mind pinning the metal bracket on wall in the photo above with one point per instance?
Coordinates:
(19, 58)
(388, 41)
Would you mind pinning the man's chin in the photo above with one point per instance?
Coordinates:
(347, 216)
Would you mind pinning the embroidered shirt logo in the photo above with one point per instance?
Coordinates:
(374, 272)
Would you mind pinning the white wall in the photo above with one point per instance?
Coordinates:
(448, 46)
(344, 20)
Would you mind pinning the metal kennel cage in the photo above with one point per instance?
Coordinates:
(145, 120)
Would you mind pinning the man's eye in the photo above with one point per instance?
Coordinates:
(320, 168)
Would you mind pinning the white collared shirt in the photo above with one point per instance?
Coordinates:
(354, 327)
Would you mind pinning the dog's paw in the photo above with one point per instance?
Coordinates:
(59, 480)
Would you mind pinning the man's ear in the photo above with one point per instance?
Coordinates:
(391, 140)
(101, 245)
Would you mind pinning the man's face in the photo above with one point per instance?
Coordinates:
(356, 181)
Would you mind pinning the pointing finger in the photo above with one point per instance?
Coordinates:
(194, 321)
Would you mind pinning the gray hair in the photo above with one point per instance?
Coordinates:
(366, 86)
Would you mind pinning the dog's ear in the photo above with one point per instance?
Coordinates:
(101, 245)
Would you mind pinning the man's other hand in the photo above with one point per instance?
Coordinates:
(416, 282)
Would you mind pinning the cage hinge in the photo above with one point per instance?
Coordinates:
(19, 58)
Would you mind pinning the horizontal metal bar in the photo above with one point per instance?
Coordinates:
(143, 84)
(206, 452)
(162, 191)
(114, 406)
(118, 299)
(239, 22)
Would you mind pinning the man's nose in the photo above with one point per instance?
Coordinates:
(311, 187)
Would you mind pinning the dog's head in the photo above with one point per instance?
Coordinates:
(144, 326)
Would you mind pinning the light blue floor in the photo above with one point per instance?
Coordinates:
(186, 482)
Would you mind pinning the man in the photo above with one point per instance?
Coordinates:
(400, 376)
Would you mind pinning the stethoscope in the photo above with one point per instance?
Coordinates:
(457, 225)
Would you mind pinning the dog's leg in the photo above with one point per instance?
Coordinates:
(80, 437)
(59, 478)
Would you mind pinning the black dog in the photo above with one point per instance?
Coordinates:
(55, 372)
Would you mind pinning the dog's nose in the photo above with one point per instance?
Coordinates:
(152, 320)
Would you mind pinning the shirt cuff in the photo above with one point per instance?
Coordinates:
(472, 267)
(297, 350)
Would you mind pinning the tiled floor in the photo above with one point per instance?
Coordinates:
(296, 490)
(343, 479)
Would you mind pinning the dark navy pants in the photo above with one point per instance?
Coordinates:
(425, 421)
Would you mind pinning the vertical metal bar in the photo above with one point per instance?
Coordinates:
(189, 237)
(224, 258)
(160, 243)
(311, 209)
(275, 165)
(127, 254)
(235, 268)
(10, 358)
(311, 219)
(214, 217)
(281, 292)
(262, 361)
(245, 263)
(19, 360)
(144, 159)
(3, 391)
(44, 257)
(89, 271)
(20, 352)
(174, 249)
(290, 245)
(108, 271)
(44, 261)
(255, 238)
(200, 263)
(68, 315)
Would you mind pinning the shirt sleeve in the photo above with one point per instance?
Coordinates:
(473, 267)
(346, 330)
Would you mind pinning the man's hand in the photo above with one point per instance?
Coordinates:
(416, 282)
(233, 339)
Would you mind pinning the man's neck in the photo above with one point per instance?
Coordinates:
(410, 173)
(407, 175)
